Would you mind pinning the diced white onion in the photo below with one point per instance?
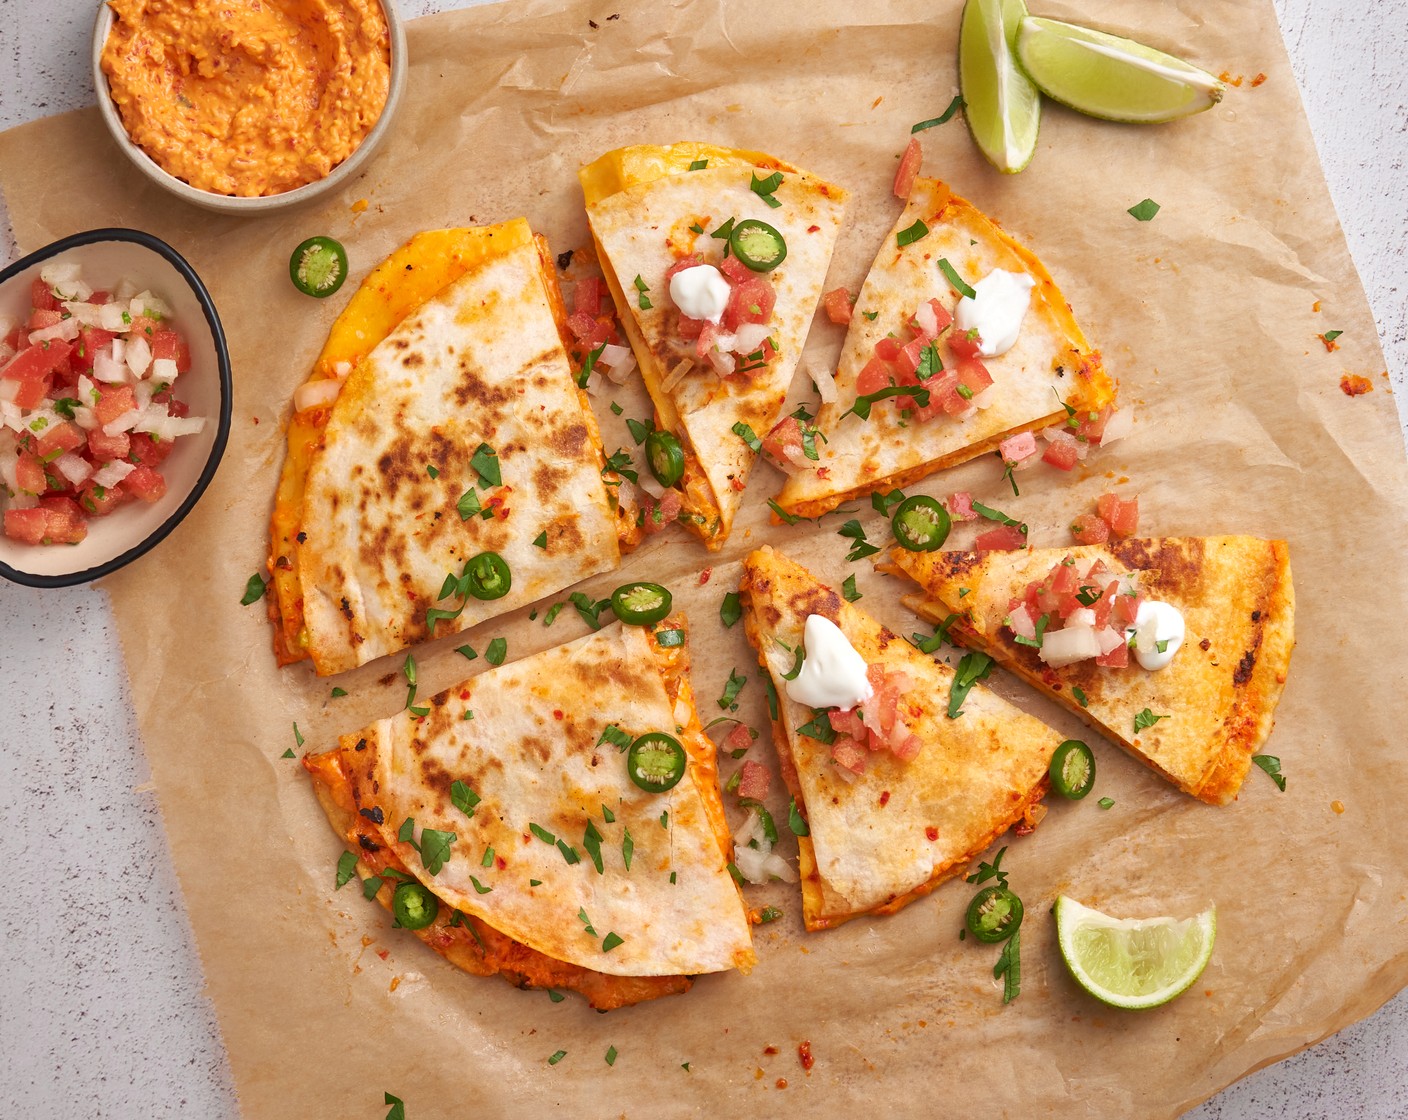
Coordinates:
(164, 369)
(168, 427)
(11, 415)
(650, 484)
(63, 281)
(927, 320)
(723, 363)
(73, 468)
(24, 501)
(986, 399)
(124, 291)
(87, 391)
(66, 329)
(618, 373)
(110, 317)
(108, 369)
(825, 383)
(9, 469)
(1069, 645)
(341, 369)
(60, 269)
(1119, 425)
(316, 394)
(676, 375)
(1081, 616)
(1020, 620)
(138, 356)
(611, 354)
(1109, 639)
(682, 712)
(85, 314)
(143, 393)
(149, 304)
(85, 417)
(110, 474)
(750, 336)
(9, 389)
(124, 423)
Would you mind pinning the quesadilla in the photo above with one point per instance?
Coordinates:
(510, 802)
(911, 328)
(898, 794)
(1199, 718)
(442, 436)
(716, 259)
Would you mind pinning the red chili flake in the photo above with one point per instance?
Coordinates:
(383, 953)
(804, 1052)
(1352, 385)
(769, 1049)
(557, 713)
(500, 862)
(704, 576)
(813, 229)
(885, 799)
(464, 695)
(823, 472)
(931, 832)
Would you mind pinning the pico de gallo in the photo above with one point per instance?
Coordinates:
(726, 311)
(88, 408)
(875, 724)
(1078, 610)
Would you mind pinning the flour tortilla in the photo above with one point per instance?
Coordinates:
(481, 362)
(898, 830)
(643, 228)
(1050, 367)
(1219, 702)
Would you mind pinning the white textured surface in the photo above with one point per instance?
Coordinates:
(102, 1012)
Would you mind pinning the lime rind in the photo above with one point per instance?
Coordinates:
(1110, 77)
(1133, 963)
(1001, 105)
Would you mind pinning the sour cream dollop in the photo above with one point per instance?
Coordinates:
(1157, 622)
(997, 310)
(833, 674)
(700, 292)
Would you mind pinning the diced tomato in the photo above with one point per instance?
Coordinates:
(908, 360)
(908, 168)
(590, 332)
(41, 298)
(1092, 431)
(29, 473)
(39, 319)
(17, 339)
(839, 305)
(848, 756)
(1106, 603)
(960, 506)
(1003, 538)
(963, 346)
(59, 437)
(30, 393)
(90, 341)
(1126, 609)
(104, 448)
(973, 374)
(100, 298)
(887, 349)
(144, 483)
(1063, 579)
(691, 328)
(661, 513)
(1016, 448)
(736, 271)
(141, 325)
(941, 314)
(36, 362)
(877, 374)
(114, 401)
(681, 265)
(944, 396)
(750, 302)
(1121, 516)
(26, 525)
(100, 500)
(170, 344)
(149, 452)
(64, 520)
(1088, 528)
(586, 299)
(740, 738)
(754, 780)
(1117, 658)
(785, 434)
(1062, 453)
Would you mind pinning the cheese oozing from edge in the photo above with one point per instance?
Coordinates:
(833, 674)
(1157, 622)
(700, 292)
(996, 311)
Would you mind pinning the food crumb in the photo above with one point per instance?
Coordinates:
(395, 983)
(877, 101)
(707, 572)
(1352, 385)
(1225, 76)
(804, 1054)
(1258, 79)
(782, 1082)
(1337, 806)
(1330, 344)
(360, 206)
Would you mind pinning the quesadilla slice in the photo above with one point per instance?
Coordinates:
(1176, 648)
(443, 466)
(898, 794)
(1009, 360)
(716, 259)
(533, 852)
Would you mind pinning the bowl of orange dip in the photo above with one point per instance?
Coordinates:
(246, 106)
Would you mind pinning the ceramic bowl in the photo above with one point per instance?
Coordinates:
(108, 256)
(263, 204)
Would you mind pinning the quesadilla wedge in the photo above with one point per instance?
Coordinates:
(1196, 721)
(442, 423)
(546, 861)
(908, 330)
(898, 796)
(717, 348)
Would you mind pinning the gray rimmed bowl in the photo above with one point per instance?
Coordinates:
(263, 204)
(107, 257)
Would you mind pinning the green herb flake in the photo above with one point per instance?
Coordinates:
(848, 589)
(485, 462)
(553, 612)
(586, 922)
(346, 868)
(1144, 211)
(570, 855)
(585, 373)
(643, 300)
(611, 1055)
(863, 404)
(591, 841)
(628, 848)
(747, 435)
(1106, 803)
(589, 609)
(795, 821)
(912, 234)
(556, 1057)
(665, 819)
(542, 834)
(735, 684)
(610, 941)
(1144, 719)
(288, 754)
(615, 736)
(871, 315)
(818, 727)
(959, 284)
(1272, 765)
(699, 165)
(488, 858)
(862, 548)
(768, 914)
(640, 429)
(971, 669)
(398, 1107)
(724, 232)
(469, 652)
(943, 118)
(991, 870)
(1079, 694)
(555, 995)
(764, 188)
(730, 610)
(884, 503)
(541, 540)
(254, 589)
(1009, 968)
(782, 515)
(1328, 336)
(435, 849)
(297, 735)
(432, 470)
(497, 651)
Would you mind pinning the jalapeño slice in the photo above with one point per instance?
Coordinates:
(489, 576)
(414, 905)
(921, 524)
(665, 457)
(1073, 769)
(994, 915)
(318, 267)
(655, 762)
(757, 245)
(641, 604)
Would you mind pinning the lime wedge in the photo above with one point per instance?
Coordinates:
(1109, 77)
(1002, 107)
(1133, 963)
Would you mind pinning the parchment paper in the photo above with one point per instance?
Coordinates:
(1206, 314)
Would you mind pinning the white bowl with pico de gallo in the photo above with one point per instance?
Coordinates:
(115, 397)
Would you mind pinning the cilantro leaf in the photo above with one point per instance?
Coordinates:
(912, 234)
(1144, 719)
(959, 284)
(973, 668)
(943, 118)
(463, 798)
(735, 684)
(730, 610)
(1144, 211)
(346, 868)
(435, 848)
(254, 590)
(497, 651)
(1272, 765)
(485, 462)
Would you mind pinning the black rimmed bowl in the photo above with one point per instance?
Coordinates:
(108, 256)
